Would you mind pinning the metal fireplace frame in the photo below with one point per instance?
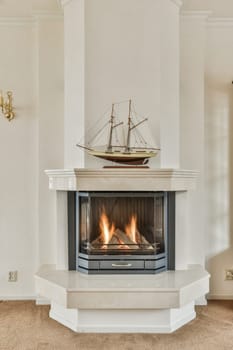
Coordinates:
(121, 264)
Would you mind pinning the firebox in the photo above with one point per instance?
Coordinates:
(123, 232)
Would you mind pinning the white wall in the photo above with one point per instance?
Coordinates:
(34, 141)
(31, 64)
(32, 67)
(115, 52)
(122, 60)
(50, 112)
(214, 43)
(219, 150)
(18, 154)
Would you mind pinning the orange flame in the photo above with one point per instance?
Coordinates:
(106, 231)
(131, 229)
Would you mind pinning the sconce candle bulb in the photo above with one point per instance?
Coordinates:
(7, 105)
(1, 98)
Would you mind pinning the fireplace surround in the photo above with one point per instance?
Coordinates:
(147, 303)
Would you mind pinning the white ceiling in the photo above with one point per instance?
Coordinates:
(27, 7)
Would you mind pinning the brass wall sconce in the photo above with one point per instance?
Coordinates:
(6, 105)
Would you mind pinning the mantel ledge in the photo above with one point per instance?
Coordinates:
(116, 179)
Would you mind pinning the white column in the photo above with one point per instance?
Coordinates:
(74, 42)
(49, 82)
(62, 231)
(182, 231)
(169, 84)
(193, 31)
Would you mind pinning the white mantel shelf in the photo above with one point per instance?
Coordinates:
(116, 179)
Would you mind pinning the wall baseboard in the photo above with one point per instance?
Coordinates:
(201, 301)
(220, 297)
(17, 297)
(38, 300)
(42, 301)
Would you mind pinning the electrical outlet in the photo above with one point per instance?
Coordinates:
(13, 276)
(229, 274)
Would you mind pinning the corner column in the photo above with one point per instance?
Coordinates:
(192, 122)
(74, 46)
(169, 83)
(62, 230)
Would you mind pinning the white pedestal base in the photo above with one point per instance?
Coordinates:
(123, 321)
(122, 303)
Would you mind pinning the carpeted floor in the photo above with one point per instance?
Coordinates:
(25, 326)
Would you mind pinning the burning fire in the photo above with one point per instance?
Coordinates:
(114, 238)
(106, 231)
(131, 228)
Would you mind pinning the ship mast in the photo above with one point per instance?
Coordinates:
(112, 126)
(127, 147)
(131, 126)
(109, 147)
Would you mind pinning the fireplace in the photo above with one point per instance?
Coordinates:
(122, 232)
(122, 301)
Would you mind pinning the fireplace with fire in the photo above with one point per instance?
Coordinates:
(124, 232)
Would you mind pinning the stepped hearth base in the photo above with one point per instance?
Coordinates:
(123, 321)
(123, 303)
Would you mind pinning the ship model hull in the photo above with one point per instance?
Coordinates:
(140, 158)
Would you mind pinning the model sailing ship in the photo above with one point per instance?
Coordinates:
(125, 153)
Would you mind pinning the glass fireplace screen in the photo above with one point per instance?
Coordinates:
(121, 223)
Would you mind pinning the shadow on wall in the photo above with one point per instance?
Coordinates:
(219, 184)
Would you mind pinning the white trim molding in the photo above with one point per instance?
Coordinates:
(204, 15)
(219, 296)
(42, 301)
(220, 22)
(178, 3)
(65, 2)
(17, 297)
(51, 15)
(16, 21)
(30, 20)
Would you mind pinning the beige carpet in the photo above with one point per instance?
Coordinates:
(25, 326)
